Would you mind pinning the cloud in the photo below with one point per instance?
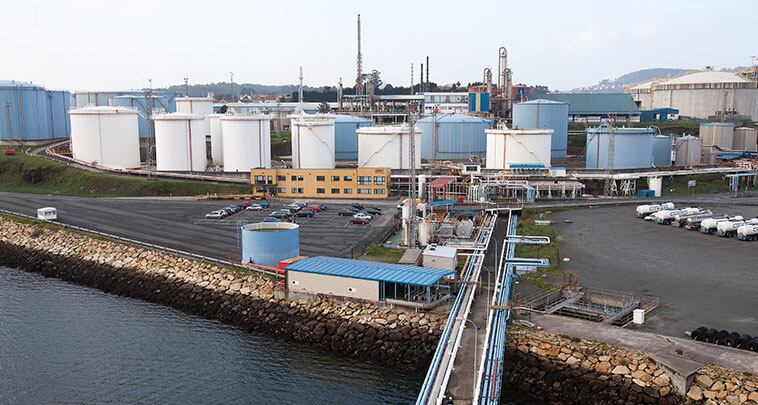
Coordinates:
(591, 39)
(648, 31)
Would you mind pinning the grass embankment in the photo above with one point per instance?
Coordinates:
(30, 174)
(705, 184)
(527, 227)
(378, 253)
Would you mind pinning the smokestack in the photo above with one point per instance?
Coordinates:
(426, 87)
(422, 88)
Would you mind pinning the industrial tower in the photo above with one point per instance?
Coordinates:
(359, 76)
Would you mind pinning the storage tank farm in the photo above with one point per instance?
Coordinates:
(30, 113)
(510, 148)
(453, 136)
(346, 135)
(388, 146)
(268, 243)
(745, 139)
(720, 134)
(105, 136)
(217, 141)
(545, 114)
(247, 142)
(312, 141)
(619, 148)
(160, 105)
(686, 151)
(180, 142)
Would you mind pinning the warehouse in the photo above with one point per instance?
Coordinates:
(586, 107)
(369, 182)
(700, 94)
(30, 113)
(371, 281)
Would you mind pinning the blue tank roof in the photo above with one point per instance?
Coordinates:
(13, 83)
(454, 118)
(349, 118)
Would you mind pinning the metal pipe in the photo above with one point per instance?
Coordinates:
(502, 65)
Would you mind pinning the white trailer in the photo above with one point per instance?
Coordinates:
(729, 228)
(665, 217)
(681, 220)
(747, 232)
(47, 213)
(708, 226)
(647, 209)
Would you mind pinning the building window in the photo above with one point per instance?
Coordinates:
(335, 191)
(320, 191)
(335, 178)
(378, 180)
(320, 178)
(270, 179)
(300, 191)
(299, 178)
(347, 178)
(378, 191)
(260, 189)
(281, 178)
(260, 179)
(294, 190)
(364, 180)
(293, 178)
(364, 191)
(348, 191)
(282, 190)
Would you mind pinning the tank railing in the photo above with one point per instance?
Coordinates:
(145, 244)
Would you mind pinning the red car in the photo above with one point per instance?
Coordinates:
(360, 221)
(314, 208)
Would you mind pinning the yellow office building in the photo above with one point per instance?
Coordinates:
(365, 182)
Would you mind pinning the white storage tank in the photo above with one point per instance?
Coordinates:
(194, 105)
(513, 148)
(312, 141)
(686, 151)
(745, 139)
(217, 142)
(388, 146)
(180, 142)
(719, 134)
(247, 142)
(106, 136)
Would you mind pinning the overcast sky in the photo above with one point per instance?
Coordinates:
(98, 45)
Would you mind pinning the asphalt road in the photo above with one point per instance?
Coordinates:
(180, 223)
(701, 279)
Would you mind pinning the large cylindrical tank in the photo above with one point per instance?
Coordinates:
(662, 151)
(619, 148)
(312, 141)
(194, 105)
(545, 114)
(387, 146)
(106, 136)
(745, 139)
(687, 151)
(453, 136)
(247, 142)
(217, 141)
(513, 148)
(346, 135)
(140, 103)
(268, 243)
(27, 113)
(60, 123)
(719, 134)
(95, 98)
(180, 142)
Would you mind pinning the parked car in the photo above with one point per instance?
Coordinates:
(322, 206)
(314, 208)
(305, 213)
(363, 215)
(280, 214)
(216, 215)
(374, 207)
(264, 204)
(254, 207)
(247, 203)
(359, 220)
(292, 207)
(358, 206)
(373, 211)
(272, 219)
(346, 213)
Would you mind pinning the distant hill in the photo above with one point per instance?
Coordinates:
(637, 77)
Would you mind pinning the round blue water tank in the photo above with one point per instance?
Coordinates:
(661, 151)
(346, 137)
(543, 114)
(29, 112)
(268, 243)
(453, 136)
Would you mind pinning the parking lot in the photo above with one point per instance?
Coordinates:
(180, 223)
(700, 279)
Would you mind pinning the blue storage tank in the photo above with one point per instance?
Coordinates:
(661, 151)
(545, 114)
(161, 104)
(30, 113)
(268, 243)
(453, 136)
(346, 137)
(619, 148)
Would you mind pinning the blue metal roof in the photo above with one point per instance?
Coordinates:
(361, 269)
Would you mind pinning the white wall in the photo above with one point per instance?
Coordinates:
(332, 285)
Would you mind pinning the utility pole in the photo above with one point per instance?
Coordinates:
(186, 86)
(231, 85)
(411, 81)
(412, 174)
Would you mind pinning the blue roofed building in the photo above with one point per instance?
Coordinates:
(594, 107)
(395, 284)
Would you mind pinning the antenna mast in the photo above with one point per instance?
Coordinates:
(359, 78)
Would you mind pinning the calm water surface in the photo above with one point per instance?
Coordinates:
(64, 343)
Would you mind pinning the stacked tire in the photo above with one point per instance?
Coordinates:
(725, 338)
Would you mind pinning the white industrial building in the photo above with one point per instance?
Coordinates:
(440, 257)
(700, 94)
